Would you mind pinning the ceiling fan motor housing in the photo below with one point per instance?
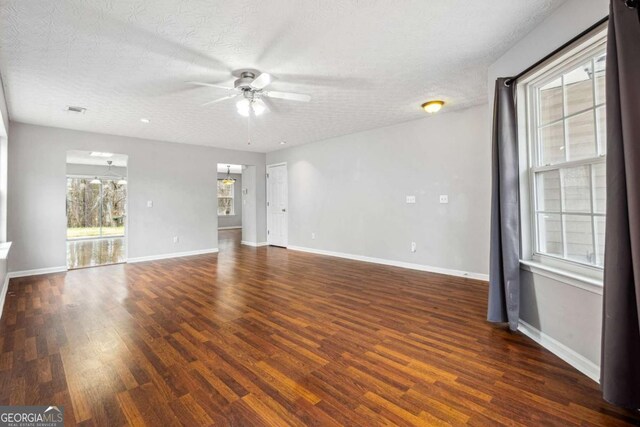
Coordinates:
(245, 80)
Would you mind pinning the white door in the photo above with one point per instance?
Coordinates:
(277, 205)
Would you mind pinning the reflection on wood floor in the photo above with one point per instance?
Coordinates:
(93, 252)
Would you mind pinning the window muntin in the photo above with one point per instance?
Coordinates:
(225, 198)
(567, 136)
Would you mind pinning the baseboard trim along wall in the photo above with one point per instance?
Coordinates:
(574, 359)
(235, 227)
(255, 245)
(401, 264)
(172, 255)
(36, 272)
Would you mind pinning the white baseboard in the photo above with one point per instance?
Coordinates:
(570, 356)
(36, 272)
(235, 227)
(172, 255)
(255, 245)
(411, 266)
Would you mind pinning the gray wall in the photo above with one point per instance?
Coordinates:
(350, 191)
(236, 219)
(180, 179)
(250, 205)
(567, 313)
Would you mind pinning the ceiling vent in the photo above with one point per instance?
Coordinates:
(73, 109)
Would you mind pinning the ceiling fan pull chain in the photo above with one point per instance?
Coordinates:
(249, 128)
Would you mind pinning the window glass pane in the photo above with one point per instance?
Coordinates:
(225, 206)
(601, 64)
(225, 190)
(113, 204)
(552, 144)
(579, 89)
(549, 234)
(577, 189)
(551, 102)
(579, 237)
(599, 227)
(601, 114)
(599, 188)
(548, 189)
(581, 136)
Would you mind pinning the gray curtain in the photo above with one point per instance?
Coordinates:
(620, 368)
(504, 268)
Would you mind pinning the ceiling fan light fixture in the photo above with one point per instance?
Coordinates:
(259, 107)
(432, 106)
(243, 107)
(95, 181)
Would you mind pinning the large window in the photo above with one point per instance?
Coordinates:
(566, 133)
(225, 198)
(95, 207)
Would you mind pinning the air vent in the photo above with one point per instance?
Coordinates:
(74, 109)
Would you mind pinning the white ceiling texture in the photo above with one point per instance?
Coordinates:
(366, 64)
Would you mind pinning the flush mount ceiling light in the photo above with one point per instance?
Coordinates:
(432, 106)
(101, 154)
(283, 142)
(228, 180)
(145, 121)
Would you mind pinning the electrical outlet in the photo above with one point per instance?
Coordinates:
(444, 198)
(313, 235)
(414, 247)
(149, 203)
(176, 239)
(411, 199)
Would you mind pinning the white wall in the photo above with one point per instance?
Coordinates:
(180, 179)
(234, 220)
(350, 191)
(569, 314)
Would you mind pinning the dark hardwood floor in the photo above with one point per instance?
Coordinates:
(266, 336)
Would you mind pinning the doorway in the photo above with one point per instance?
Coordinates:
(96, 204)
(230, 205)
(277, 205)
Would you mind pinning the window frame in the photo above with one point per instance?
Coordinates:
(586, 48)
(232, 197)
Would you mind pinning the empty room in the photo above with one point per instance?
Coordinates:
(319, 212)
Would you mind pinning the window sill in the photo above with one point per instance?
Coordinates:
(577, 280)
(224, 216)
(4, 250)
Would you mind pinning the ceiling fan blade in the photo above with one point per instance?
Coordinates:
(211, 85)
(220, 99)
(288, 96)
(261, 81)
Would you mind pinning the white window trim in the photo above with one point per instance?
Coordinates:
(572, 273)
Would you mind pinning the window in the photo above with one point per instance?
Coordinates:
(225, 198)
(566, 135)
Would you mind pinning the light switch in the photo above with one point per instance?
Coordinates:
(411, 199)
(444, 198)
(149, 203)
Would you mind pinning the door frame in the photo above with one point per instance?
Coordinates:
(267, 199)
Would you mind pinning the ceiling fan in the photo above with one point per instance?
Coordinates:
(250, 85)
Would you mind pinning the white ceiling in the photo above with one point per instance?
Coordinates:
(85, 158)
(365, 63)
(222, 168)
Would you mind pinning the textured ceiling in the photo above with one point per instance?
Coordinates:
(366, 64)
